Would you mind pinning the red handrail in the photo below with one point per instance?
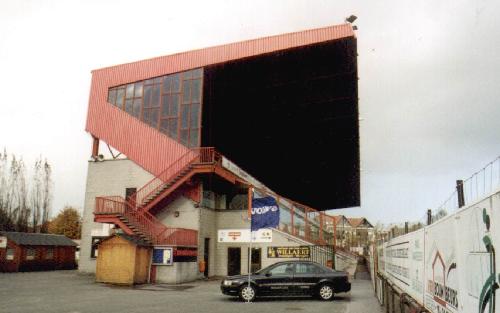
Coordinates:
(204, 155)
(146, 223)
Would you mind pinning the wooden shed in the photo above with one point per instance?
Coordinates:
(123, 260)
(23, 252)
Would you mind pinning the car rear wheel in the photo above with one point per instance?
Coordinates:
(247, 293)
(325, 292)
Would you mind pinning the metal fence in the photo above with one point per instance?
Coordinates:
(480, 184)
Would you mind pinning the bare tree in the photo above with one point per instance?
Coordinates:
(36, 195)
(5, 218)
(47, 196)
(20, 210)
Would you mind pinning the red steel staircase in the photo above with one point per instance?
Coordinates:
(133, 215)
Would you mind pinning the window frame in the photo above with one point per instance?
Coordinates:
(28, 256)
(177, 84)
(49, 256)
(10, 257)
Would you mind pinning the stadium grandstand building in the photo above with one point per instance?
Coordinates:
(196, 130)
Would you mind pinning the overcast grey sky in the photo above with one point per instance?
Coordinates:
(428, 87)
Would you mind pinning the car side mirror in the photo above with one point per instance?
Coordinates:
(269, 274)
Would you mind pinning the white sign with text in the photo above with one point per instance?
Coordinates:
(243, 235)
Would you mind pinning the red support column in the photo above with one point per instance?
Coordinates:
(250, 202)
(278, 203)
(321, 227)
(334, 233)
(95, 147)
(306, 225)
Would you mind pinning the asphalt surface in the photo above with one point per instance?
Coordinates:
(71, 292)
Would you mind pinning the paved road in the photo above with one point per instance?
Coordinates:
(70, 292)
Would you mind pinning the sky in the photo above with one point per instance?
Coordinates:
(428, 82)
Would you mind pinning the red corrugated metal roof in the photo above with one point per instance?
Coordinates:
(148, 147)
(124, 73)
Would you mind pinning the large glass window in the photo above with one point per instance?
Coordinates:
(171, 103)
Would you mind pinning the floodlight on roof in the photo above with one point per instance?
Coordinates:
(351, 18)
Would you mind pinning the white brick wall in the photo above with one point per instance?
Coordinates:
(105, 178)
(189, 215)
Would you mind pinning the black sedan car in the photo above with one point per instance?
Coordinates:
(290, 278)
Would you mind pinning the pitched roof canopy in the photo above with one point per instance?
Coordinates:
(31, 239)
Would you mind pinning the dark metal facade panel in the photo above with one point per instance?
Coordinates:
(145, 145)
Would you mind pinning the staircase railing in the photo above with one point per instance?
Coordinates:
(146, 223)
(205, 155)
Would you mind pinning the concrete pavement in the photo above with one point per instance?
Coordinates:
(70, 292)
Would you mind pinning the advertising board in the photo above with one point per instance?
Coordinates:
(243, 235)
(449, 266)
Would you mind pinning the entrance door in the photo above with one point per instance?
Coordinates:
(206, 254)
(256, 260)
(233, 261)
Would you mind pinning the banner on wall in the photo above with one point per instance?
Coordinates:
(449, 266)
(403, 261)
(265, 213)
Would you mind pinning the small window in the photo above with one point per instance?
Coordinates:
(175, 83)
(95, 246)
(49, 255)
(112, 96)
(186, 91)
(138, 90)
(196, 91)
(30, 253)
(282, 269)
(119, 97)
(129, 91)
(307, 268)
(10, 254)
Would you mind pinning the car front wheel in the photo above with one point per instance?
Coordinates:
(325, 292)
(247, 293)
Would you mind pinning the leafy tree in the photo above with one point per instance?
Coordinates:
(68, 223)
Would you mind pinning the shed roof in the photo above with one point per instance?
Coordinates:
(35, 239)
(132, 239)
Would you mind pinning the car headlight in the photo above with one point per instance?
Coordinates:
(226, 283)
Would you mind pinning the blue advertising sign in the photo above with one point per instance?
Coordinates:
(163, 256)
(265, 213)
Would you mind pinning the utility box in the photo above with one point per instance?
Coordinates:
(123, 260)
